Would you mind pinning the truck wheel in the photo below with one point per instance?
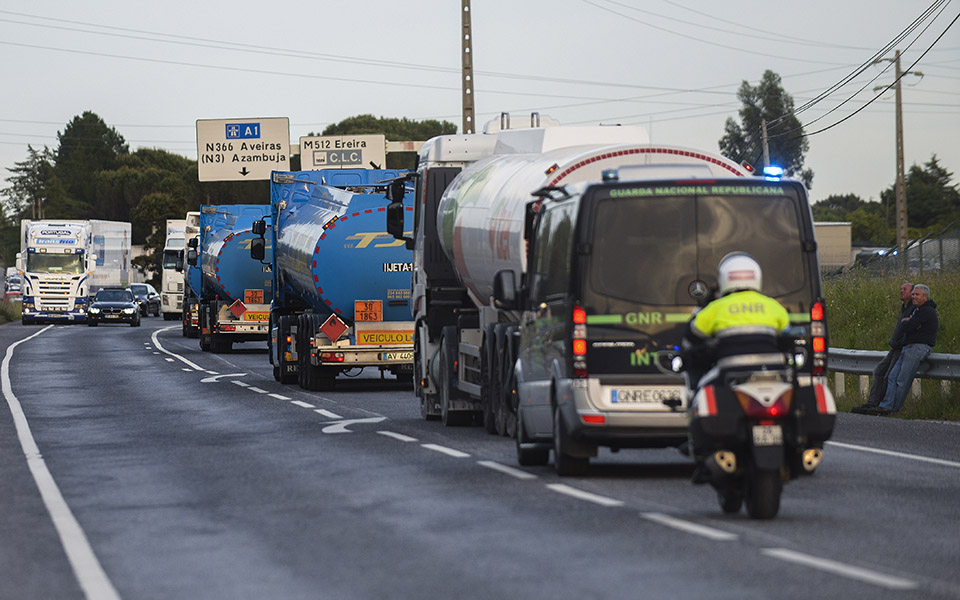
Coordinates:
(565, 464)
(428, 401)
(218, 346)
(449, 417)
(526, 456)
(489, 389)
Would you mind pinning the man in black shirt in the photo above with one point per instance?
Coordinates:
(882, 369)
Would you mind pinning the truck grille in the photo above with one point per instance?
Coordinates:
(54, 288)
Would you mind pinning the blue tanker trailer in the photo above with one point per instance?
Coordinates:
(235, 290)
(342, 283)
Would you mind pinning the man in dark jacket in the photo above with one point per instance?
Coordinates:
(882, 370)
(920, 331)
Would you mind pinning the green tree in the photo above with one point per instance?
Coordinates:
(87, 146)
(395, 130)
(932, 201)
(836, 207)
(744, 141)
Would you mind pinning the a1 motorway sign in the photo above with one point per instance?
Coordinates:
(241, 149)
(343, 151)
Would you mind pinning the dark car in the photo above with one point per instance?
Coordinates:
(114, 305)
(147, 298)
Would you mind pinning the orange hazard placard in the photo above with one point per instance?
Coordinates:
(253, 296)
(368, 310)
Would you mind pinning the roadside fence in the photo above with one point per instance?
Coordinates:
(945, 367)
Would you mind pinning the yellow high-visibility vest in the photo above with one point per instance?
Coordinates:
(740, 309)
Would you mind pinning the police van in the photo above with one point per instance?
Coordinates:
(615, 271)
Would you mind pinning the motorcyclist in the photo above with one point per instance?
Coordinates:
(740, 329)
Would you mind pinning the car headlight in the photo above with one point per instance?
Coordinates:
(94, 310)
(130, 311)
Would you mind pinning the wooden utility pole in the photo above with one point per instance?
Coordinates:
(466, 52)
(901, 186)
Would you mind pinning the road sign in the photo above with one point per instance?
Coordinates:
(242, 149)
(343, 151)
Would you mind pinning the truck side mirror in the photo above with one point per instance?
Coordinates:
(395, 217)
(505, 290)
(192, 257)
(193, 243)
(259, 227)
(396, 190)
(258, 248)
(179, 265)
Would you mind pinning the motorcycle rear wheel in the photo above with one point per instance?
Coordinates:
(763, 493)
(730, 499)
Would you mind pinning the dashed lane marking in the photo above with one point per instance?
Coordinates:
(397, 436)
(563, 488)
(257, 390)
(327, 414)
(240, 383)
(689, 527)
(865, 575)
(516, 473)
(302, 404)
(279, 396)
(168, 359)
(444, 450)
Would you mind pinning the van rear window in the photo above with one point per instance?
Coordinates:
(649, 250)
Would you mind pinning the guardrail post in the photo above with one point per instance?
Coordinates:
(945, 385)
(915, 388)
(864, 385)
(839, 384)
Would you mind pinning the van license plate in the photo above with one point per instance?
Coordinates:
(767, 435)
(644, 395)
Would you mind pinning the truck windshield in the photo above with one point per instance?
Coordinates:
(71, 264)
(673, 241)
(170, 259)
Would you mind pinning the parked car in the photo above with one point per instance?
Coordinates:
(114, 305)
(13, 293)
(147, 298)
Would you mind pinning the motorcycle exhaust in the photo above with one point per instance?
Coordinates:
(722, 460)
(811, 459)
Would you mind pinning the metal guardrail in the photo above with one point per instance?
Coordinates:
(862, 362)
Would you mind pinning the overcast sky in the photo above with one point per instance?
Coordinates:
(150, 70)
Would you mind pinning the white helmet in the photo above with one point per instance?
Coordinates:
(738, 271)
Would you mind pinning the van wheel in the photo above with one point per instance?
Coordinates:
(528, 457)
(565, 464)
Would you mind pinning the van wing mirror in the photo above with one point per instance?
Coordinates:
(258, 248)
(505, 294)
(259, 227)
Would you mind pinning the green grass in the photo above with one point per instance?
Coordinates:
(9, 311)
(861, 314)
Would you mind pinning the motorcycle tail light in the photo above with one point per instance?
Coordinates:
(755, 409)
(707, 401)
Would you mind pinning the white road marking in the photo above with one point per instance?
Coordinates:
(341, 426)
(156, 353)
(278, 396)
(397, 436)
(517, 473)
(257, 390)
(156, 342)
(302, 404)
(866, 575)
(689, 527)
(168, 359)
(212, 372)
(216, 377)
(86, 568)
(240, 383)
(328, 414)
(582, 495)
(917, 457)
(186, 369)
(445, 450)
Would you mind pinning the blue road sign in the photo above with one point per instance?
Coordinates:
(243, 131)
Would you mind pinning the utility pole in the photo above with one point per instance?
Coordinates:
(466, 52)
(766, 142)
(900, 187)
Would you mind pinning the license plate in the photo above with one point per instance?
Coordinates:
(398, 355)
(644, 395)
(111, 316)
(767, 435)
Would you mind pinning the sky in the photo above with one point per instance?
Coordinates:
(151, 69)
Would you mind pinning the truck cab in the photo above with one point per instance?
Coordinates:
(614, 274)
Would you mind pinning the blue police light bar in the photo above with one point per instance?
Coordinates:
(773, 171)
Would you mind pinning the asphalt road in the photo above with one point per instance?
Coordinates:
(164, 472)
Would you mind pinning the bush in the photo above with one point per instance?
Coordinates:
(9, 311)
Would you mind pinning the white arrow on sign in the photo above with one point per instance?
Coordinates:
(341, 426)
(216, 377)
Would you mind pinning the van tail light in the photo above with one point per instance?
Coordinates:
(818, 329)
(579, 343)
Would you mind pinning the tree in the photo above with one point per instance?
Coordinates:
(86, 147)
(28, 183)
(836, 208)
(395, 130)
(932, 202)
(744, 142)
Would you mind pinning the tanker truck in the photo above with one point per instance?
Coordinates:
(171, 269)
(235, 291)
(563, 296)
(64, 262)
(341, 283)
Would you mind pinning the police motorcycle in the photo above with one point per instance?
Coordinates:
(757, 419)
